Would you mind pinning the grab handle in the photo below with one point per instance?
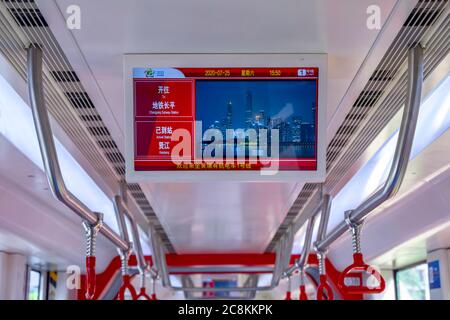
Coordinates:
(90, 278)
(153, 295)
(288, 291)
(91, 231)
(303, 295)
(352, 280)
(127, 286)
(324, 290)
(143, 295)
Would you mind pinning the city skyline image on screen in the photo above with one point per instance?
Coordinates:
(288, 106)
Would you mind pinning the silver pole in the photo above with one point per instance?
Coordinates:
(48, 150)
(402, 151)
(220, 269)
(122, 212)
(324, 217)
(137, 246)
(300, 263)
(120, 217)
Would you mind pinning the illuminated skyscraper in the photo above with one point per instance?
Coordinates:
(229, 118)
(260, 118)
(313, 109)
(296, 129)
(248, 109)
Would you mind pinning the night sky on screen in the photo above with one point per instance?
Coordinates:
(278, 98)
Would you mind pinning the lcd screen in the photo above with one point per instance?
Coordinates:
(225, 118)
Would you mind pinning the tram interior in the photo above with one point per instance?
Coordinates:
(357, 91)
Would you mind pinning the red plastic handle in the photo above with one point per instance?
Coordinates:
(288, 296)
(356, 271)
(303, 295)
(126, 285)
(153, 296)
(143, 295)
(90, 278)
(324, 290)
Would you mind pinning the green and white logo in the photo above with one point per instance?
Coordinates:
(149, 73)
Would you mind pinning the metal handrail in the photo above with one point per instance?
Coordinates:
(54, 176)
(402, 150)
(164, 273)
(250, 295)
(221, 270)
(122, 211)
(120, 217)
(324, 218)
(301, 261)
(143, 265)
(48, 150)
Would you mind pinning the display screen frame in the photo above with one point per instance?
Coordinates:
(224, 61)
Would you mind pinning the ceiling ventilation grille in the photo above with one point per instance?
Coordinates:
(21, 23)
(28, 18)
(380, 100)
(65, 76)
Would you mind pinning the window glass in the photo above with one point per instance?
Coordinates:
(34, 285)
(412, 283)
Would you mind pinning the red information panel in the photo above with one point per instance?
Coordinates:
(225, 118)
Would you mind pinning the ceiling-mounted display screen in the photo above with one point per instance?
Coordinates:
(242, 123)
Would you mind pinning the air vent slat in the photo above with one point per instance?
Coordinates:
(382, 75)
(80, 100)
(65, 76)
(368, 98)
(29, 17)
(421, 17)
(91, 118)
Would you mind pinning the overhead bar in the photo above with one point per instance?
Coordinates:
(277, 271)
(48, 150)
(221, 270)
(402, 150)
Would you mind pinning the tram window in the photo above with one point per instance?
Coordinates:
(34, 285)
(411, 283)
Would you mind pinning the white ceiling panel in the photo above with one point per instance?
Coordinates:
(221, 216)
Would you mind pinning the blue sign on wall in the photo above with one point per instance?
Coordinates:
(434, 277)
